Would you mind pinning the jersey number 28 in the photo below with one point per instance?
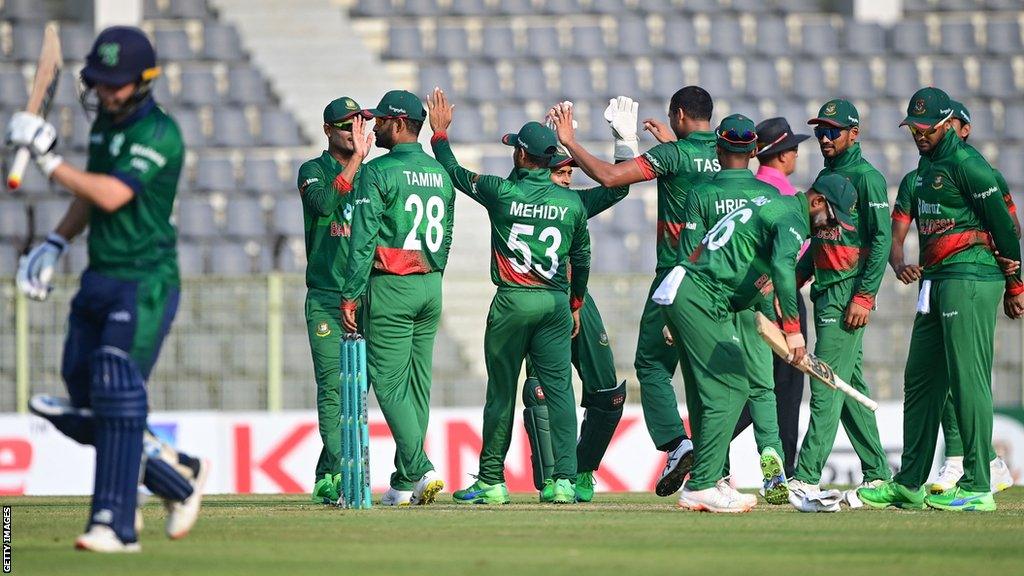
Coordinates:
(435, 222)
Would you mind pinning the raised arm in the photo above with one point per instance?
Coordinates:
(605, 173)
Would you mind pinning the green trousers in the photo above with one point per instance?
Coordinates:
(951, 353)
(323, 322)
(537, 323)
(757, 357)
(714, 373)
(402, 316)
(951, 432)
(655, 364)
(842, 350)
(595, 364)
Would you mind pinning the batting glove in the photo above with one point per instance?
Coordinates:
(36, 269)
(621, 115)
(31, 131)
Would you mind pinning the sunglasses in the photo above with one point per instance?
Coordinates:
(734, 137)
(347, 126)
(829, 132)
(915, 131)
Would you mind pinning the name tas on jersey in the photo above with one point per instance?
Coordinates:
(542, 211)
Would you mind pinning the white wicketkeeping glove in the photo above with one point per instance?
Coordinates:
(824, 501)
(35, 270)
(33, 132)
(621, 115)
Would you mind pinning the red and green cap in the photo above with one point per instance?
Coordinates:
(534, 137)
(841, 197)
(399, 104)
(960, 112)
(342, 109)
(839, 113)
(737, 133)
(928, 107)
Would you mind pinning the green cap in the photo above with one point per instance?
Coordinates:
(399, 104)
(737, 133)
(841, 196)
(341, 109)
(928, 107)
(839, 113)
(960, 112)
(559, 160)
(534, 137)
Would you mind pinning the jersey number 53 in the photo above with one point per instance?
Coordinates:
(517, 244)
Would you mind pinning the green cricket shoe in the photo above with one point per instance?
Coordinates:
(960, 500)
(776, 489)
(325, 491)
(563, 492)
(892, 493)
(480, 493)
(585, 486)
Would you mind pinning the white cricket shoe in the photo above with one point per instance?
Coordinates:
(710, 500)
(101, 538)
(396, 498)
(677, 465)
(850, 497)
(427, 489)
(949, 474)
(182, 516)
(726, 487)
(1000, 475)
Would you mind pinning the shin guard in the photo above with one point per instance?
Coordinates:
(538, 429)
(603, 411)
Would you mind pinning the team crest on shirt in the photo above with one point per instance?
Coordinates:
(937, 183)
(348, 213)
(603, 340)
(830, 109)
(919, 106)
(322, 330)
(116, 143)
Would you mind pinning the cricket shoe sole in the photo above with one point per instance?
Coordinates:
(678, 465)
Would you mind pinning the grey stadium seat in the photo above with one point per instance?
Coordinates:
(172, 45)
(452, 42)
(198, 87)
(997, 79)
(819, 39)
(13, 91)
(588, 42)
(901, 79)
(404, 43)
(26, 43)
(246, 218)
(421, 7)
(1013, 117)
(714, 77)
(67, 91)
(191, 260)
(76, 40)
(498, 42)
(951, 77)
(864, 38)
(177, 9)
(542, 42)
(772, 37)
(576, 81)
(727, 36)
(374, 9)
(561, 7)
(287, 217)
(668, 78)
(13, 220)
(1012, 167)
(468, 127)
(8, 260)
(278, 128)
(221, 43)
(231, 259)
(528, 82)
(633, 37)
(622, 79)
(191, 128)
(28, 10)
(681, 38)
(809, 80)
(162, 93)
(432, 75)
(516, 7)
(81, 124)
(262, 175)
(196, 218)
(48, 213)
(762, 79)
(593, 125)
(1004, 37)
(983, 124)
(483, 83)
(511, 118)
(883, 123)
(230, 128)
(247, 86)
(855, 80)
(957, 37)
(469, 7)
(215, 174)
(910, 37)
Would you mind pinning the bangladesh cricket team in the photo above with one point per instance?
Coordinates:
(730, 245)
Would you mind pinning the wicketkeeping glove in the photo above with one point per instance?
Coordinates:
(36, 269)
(621, 115)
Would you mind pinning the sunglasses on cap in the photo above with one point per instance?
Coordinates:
(734, 137)
(346, 125)
(830, 132)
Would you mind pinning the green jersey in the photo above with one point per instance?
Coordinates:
(327, 216)
(836, 254)
(961, 213)
(761, 237)
(146, 152)
(538, 228)
(679, 167)
(708, 204)
(595, 200)
(403, 210)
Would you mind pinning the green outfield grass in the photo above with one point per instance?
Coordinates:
(632, 535)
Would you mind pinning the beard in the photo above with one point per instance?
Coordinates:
(820, 220)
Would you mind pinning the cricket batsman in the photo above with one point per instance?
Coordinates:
(403, 210)
(603, 396)
(129, 292)
(732, 188)
(325, 184)
(538, 232)
(904, 212)
(847, 263)
(961, 215)
(684, 159)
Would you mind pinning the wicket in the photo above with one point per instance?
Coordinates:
(355, 430)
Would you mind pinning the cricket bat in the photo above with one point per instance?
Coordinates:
(43, 88)
(810, 364)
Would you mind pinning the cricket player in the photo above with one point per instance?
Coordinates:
(129, 292)
(904, 212)
(325, 184)
(707, 204)
(403, 210)
(847, 264)
(961, 214)
(684, 159)
(538, 231)
(603, 396)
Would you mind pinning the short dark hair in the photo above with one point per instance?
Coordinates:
(413, 126)
(694, 101)
(533, 159)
